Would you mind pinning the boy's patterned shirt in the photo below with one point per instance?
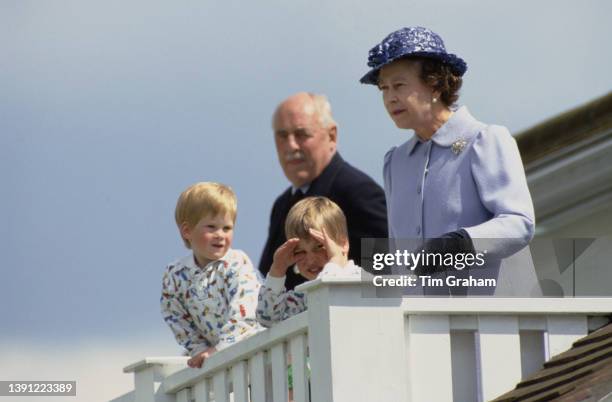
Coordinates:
(275, 303)
(211, 306)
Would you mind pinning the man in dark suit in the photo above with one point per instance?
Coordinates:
(305, 135)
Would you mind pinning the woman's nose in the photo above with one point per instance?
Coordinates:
(390, 97)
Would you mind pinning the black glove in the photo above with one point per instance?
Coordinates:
(457, 242)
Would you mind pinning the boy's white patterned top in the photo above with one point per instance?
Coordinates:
(211, 306)
(276, 303)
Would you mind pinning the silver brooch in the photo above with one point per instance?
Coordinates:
(458, 146)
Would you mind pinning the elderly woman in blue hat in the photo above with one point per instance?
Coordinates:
(456, 177)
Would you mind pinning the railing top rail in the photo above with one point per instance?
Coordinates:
(239, 351)
(365, 295)
(516, 306)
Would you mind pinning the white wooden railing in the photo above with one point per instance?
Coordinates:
(362, 348)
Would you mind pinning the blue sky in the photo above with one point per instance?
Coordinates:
(109, 109)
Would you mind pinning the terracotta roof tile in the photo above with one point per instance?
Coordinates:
(582, 372)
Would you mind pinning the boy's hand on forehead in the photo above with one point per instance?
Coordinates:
(335, 252)
(284, 257)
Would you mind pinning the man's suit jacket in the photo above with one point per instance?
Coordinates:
(359, 197)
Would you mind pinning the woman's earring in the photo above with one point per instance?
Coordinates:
(434, 100)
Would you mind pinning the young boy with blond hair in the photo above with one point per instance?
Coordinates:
(318, 245)
(209, 297)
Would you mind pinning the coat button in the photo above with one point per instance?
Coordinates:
(418, 231)
(419, 189)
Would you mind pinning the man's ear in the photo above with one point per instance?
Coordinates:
(333, 133)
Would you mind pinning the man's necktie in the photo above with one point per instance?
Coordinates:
(295, 197)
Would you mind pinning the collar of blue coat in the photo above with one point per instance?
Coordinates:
(460, 126)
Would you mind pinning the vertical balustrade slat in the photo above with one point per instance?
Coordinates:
(257, 373)
(533, 354)
(500, 354)
(297, 347)
(464, 367)
(201, 391)
(562, 331)
(429, 356)
(220, 387)
(239, 382)
(183, 395)
(279, 373)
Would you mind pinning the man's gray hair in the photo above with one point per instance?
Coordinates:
(318, 104)
(323, 109)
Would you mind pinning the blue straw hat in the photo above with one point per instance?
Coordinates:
(412, 41)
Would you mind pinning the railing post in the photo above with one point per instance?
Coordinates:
(429, 345)
(148, 375)
(357, 348)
